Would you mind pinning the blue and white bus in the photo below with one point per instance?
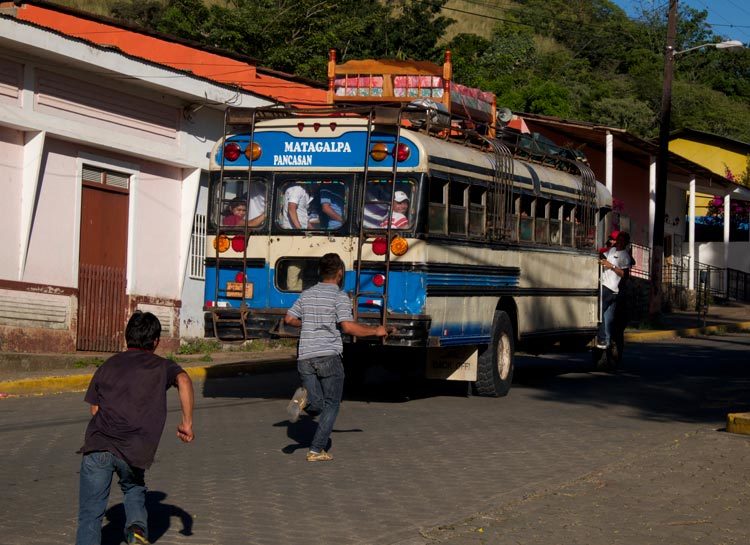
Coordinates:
(462, 246)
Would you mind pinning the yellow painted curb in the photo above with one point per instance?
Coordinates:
(70, 383)
(79, 383)
(656, 335)
(738, 423)
(46, 385)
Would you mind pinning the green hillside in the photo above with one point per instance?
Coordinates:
(578, 59)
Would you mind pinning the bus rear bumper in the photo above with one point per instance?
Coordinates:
(410, 330)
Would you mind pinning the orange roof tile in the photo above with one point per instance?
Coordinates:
(180, 56)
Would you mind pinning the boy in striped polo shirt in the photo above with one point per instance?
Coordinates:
(320, 311)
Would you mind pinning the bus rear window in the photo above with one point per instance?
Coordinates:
(378, 198)
(312, 205)
(296, 273)
(242, 202)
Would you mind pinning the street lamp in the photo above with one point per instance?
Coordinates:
(662, 167)
(728, 44)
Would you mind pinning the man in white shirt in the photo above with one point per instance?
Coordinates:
(616, 263)
(295, 208)
(257, 198)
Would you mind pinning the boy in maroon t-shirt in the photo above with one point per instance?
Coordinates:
(129, 407)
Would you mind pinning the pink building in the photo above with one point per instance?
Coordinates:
(103, 159)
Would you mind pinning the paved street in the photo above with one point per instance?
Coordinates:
(570, 456)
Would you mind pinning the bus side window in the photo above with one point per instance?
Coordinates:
(513, 218)
(457, 208)
(477, 210)
(569, 225)
(526, 221)
(541, 221)
(438, 208)
(555, 219)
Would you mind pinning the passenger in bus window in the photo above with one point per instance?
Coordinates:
(238, 213)
(400, 216)
(376, 205)
(295, 207)
(257, 200)
(332, 205)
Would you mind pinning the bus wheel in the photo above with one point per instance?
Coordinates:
(495, 365)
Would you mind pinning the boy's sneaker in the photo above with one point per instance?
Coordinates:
(601, 346)
(321, 456)
(298, 402)
(136, 536)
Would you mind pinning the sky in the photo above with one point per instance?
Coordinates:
(728, 18)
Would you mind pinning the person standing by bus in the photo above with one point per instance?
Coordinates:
(129, 408)
(616, 263)
(323, 312)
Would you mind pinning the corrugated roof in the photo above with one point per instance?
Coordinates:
(635, 149)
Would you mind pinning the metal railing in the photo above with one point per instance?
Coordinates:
(676, 273)
(738, 285)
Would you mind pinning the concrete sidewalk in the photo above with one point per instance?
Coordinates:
(727, 317)
(34, 374)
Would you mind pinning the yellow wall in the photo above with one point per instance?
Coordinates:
(711, 157)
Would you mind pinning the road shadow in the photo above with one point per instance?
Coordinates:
(397, 383)
(160, 515)
(698, 380)
(301, 433)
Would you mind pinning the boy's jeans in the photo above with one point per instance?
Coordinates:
(609, 304)
(96, 478)
(323, 378)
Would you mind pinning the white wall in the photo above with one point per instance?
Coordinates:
(53, 248)
(11, 154)
(155, 246)
(712, 253)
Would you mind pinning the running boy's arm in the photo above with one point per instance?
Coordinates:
(360, 330)
(292, 320)
(185, 391)
(293, 316)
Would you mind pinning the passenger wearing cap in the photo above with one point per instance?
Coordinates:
(399, 217)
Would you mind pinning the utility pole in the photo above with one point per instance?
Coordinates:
(662, 167)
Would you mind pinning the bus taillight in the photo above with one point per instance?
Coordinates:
(221, 243)
(253, 152)
(238, 243)
(378, 280)
(240, 277)
(232, 151)
(399, 246)
(379, 151)
(379, 246)
(402, 153)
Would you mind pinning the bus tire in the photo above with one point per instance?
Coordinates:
(495, 365)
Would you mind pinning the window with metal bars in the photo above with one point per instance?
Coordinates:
(198, 248)
(107, 177)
